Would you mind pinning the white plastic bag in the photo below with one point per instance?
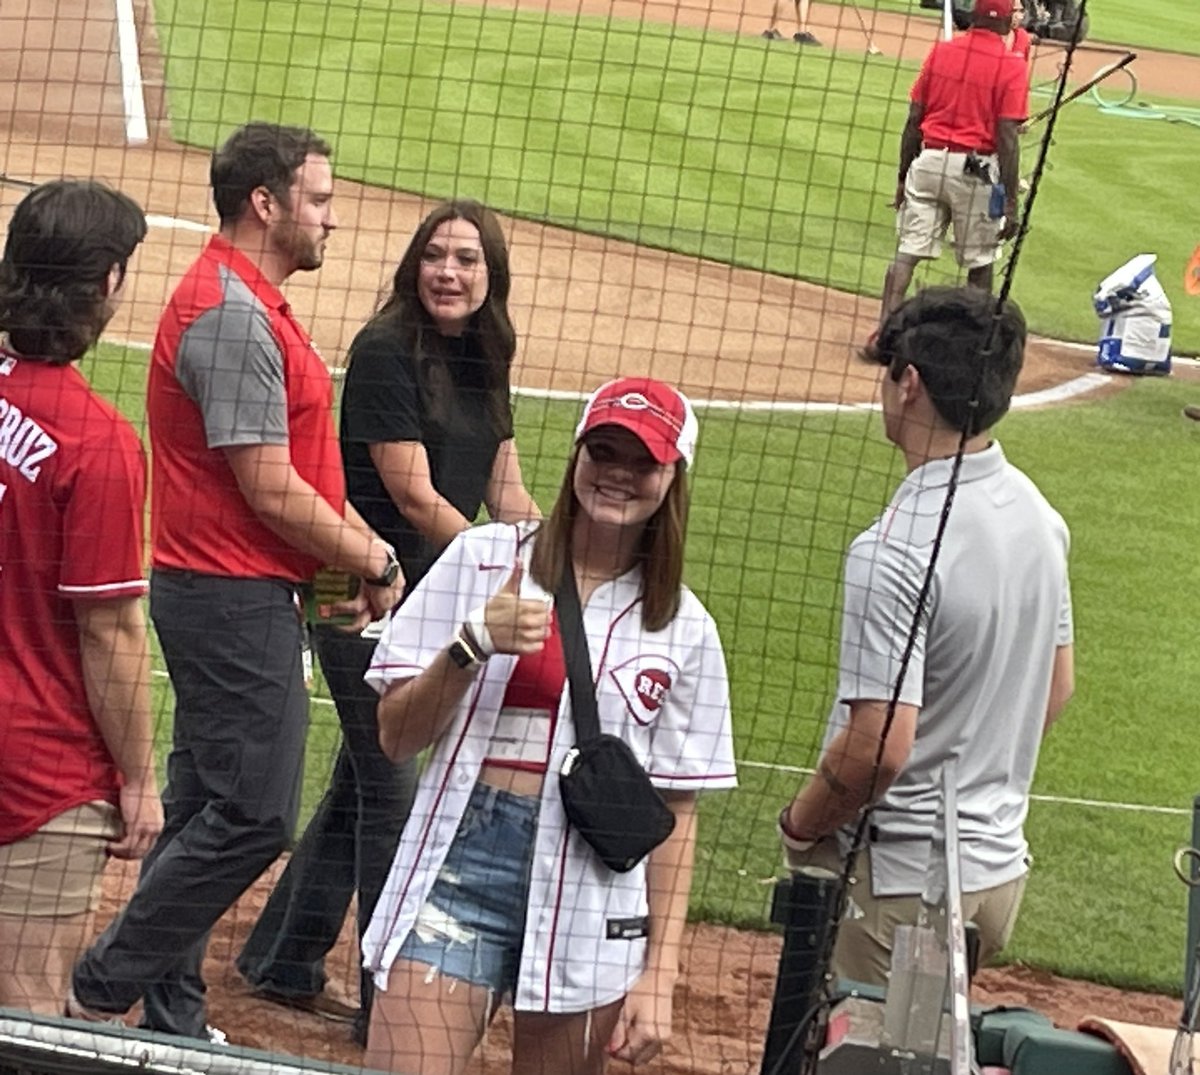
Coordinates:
(1136, 333)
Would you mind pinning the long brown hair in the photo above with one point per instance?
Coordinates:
(660, 552)
(403, 313)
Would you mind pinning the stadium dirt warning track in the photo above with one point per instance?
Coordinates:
(586, 308)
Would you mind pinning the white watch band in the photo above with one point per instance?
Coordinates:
(477, 625)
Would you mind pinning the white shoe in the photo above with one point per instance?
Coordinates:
(215, 1036)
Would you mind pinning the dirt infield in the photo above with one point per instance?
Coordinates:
(722, 1003)
(586, 308)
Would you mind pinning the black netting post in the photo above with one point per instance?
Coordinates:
(1193, 907)
(806, 905)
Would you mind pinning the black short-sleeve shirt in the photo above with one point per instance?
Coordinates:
(442, 404)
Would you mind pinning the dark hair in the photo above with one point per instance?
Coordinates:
(967, 346)
(63, 240)
(489, 329)
(660, 552)
(259, 155)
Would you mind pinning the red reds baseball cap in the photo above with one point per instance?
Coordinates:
(994, 9)
(659, 416)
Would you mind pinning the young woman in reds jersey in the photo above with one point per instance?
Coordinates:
(491, 892)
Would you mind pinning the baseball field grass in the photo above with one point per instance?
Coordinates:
(1152, 24)
(708, 144)
(776, 499)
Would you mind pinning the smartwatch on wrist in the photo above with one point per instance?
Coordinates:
(463, 654)
(390, 573)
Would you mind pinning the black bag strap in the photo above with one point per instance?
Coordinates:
(576, 657)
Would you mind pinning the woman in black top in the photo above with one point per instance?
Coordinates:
(427, 440)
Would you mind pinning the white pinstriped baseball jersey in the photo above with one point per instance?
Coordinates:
(664, 692)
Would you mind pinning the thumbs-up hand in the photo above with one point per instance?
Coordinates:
(516, 624)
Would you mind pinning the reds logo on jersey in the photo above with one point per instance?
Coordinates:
(644, 682)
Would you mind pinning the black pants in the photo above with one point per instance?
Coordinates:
(232, 648)
(349, 843)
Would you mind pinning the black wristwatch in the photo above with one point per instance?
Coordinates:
(463, 654)
(390, 573)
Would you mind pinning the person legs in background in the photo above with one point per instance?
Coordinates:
(803, 34)
(232, 647)
(348, 846)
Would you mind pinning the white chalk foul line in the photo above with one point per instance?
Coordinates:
(1058, 393)
(137, 132)
(157, 220)
(1056, 800)
(800, 770)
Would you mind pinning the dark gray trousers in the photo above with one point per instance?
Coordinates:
(349, 843)
(232, 648)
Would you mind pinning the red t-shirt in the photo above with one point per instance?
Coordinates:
(1021, 42)
(72, 497)
(967, 85)
(529, 711)
(232, 367)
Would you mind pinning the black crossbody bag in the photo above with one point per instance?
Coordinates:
(606, 793)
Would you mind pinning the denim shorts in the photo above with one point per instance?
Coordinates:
(472, 925)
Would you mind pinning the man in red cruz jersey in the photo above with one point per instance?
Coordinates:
(959, 154)
(247, 503)
(76, 739)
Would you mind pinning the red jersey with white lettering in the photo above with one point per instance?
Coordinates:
(233, 368)
(72, 497)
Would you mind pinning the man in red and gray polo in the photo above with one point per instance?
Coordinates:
(248, 502)
(959, 155)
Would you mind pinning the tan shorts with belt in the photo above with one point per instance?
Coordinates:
(937, 193)
(57, 871)
(863, 952)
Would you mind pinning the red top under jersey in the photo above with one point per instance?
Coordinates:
(72, 495)
(967, 85)
(537, 684)
(199, 519)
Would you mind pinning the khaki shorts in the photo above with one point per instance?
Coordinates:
(56, 872)
(937, 194)
(863, 952)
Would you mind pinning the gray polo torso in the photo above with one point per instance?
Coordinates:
(980, 671)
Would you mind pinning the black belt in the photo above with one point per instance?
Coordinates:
(954, 147)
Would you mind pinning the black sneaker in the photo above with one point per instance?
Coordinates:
(803, 37)
(772, 34)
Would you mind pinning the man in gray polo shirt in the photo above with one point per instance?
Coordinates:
(992, 658)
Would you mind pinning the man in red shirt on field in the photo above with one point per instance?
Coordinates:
(76, 736)
(959, 154)
(248, 502)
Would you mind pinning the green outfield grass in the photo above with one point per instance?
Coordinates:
(776, 500)
(1152, 24)
(709, 144)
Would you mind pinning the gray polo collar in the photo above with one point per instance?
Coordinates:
(936, 473)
